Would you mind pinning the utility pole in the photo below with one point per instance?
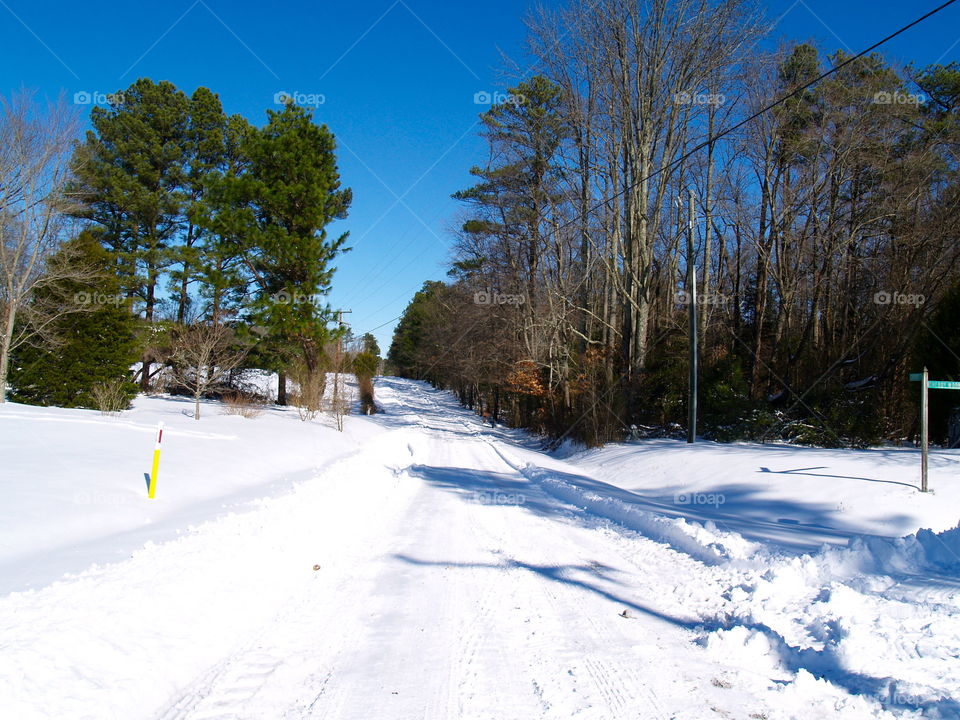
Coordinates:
(340, 324)
(692, 300)
(338, 407)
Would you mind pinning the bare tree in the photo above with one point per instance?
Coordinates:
(204, 354)
(35, 150)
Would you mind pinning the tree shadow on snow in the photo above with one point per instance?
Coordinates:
(804, 471)
(822, 664)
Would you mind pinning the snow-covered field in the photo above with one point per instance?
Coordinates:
(421, 565)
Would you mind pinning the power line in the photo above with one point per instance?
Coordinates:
(384, 324)
(737, 126)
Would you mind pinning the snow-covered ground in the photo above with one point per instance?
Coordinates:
(421, 565)
(73, 482)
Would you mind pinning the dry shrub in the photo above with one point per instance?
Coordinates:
(242, 404)
(110, 395)
(367, 404)
(310, 387)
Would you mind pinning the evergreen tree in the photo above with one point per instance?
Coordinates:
(404, 354)
(513, 201)
(96, 346)
(131, 173)
(278, 209)
(365, 365)
(221, 273)
(370, 345)
(206, 150)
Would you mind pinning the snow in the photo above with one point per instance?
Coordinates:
(73, 482)
(796, 497)
(422, 565)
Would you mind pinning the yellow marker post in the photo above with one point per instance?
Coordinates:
(156, 463)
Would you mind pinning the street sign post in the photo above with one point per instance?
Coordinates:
(924, 434)
(927, 384)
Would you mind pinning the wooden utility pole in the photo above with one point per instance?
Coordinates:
(340, 324)
(338, 409)
(692, 300)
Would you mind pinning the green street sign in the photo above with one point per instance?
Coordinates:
(916, 377)
(943, 385)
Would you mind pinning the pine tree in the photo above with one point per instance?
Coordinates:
(513, 201)
(278, 209)
(220, 271)
(131, 173)
(97, 346)
(407, 344)
(206, 149)
(370, 345)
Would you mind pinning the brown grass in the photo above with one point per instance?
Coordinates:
(238, 403)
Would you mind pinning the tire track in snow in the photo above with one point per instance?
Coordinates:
(612, 683)
(304, 625)
(618, 684)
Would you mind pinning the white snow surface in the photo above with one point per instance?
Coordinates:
(423, 565)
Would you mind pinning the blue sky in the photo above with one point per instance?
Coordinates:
(397, 80)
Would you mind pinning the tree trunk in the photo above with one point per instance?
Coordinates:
(145, 372)
(5, 342)
(182, 303)
(706, 308)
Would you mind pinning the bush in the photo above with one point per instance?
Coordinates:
(112, 396)
(367, 405)
(726, 411)
(365, 365)
(311, 385)
(243, 404)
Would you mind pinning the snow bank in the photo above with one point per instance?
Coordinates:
(73, 482)
(850, 632)
(790, 496)
(705, 542)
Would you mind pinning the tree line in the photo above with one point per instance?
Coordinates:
(170, 237)
(825, 234)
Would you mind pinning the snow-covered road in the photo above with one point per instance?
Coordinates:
(471, 594)
(442, 571)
